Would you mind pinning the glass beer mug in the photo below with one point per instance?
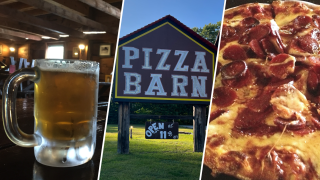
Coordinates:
(65, 110)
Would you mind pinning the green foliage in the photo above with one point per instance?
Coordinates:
(209, 31)
(150, 158)
(153, 109)
(113, 113)
(161, 109)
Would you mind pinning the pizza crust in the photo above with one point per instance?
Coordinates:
(289, 147)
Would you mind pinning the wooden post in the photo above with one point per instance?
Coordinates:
(123, 127)
(199, 127)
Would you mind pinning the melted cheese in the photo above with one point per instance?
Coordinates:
(285, 18)
(235, 21)
(291, 99)
(307, 146)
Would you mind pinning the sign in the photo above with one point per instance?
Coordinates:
(164, 62)
(162, 130)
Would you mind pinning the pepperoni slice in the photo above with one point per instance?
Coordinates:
(312, 82)
(223, 96)
(280, 58)
(306, 130)
(251, 54)
(248, 119)
(256, 9)
(259, 32)
(234, 52)
(249, 22)
(302, 22)
(273, 85)
(244, 39)
(261, 75)
(261, 103)
(241, 81)
(316, 122)
(268, 46)
(228, 31)
(282, 65)
(291, 124)
(215, 141)
(256, 48)
(233, 70)
(215, 114)
(314, 61)
(309, 44)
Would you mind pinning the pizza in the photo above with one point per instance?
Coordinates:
(265, 110)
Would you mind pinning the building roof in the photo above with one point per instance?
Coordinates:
(176, 22)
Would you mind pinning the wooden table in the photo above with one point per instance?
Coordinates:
(19, 163)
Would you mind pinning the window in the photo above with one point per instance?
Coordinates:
(55, 52)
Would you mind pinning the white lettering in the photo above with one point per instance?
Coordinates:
(181, 85)
(163, 134)
(155, 127)
(165, 54)
(148, 133)
(146, 58)
(181, 61)
(155, 80)
(129, 83)
(161, 125)
(127, 56)
(199, 87)
(150, 129)
(200, 61)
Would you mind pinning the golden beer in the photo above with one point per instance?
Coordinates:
(65, 110)
(65, 105)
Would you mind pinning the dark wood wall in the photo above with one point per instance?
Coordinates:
(37, 50)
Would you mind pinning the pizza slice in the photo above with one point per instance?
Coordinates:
(299, 28)
(265, 111)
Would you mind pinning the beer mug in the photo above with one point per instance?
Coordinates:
(65, 110)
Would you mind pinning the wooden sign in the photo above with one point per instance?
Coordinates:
(164, 62)
(162, 130)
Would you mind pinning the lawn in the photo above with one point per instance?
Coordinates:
(150, 159)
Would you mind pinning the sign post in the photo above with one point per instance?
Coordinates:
(199, 127)
(164, 62)
(123, 127)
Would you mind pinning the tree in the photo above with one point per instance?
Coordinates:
(151, 108)
(209, 31)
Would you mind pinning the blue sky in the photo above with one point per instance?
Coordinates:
(139, 13)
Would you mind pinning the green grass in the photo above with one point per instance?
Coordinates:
(150, 159)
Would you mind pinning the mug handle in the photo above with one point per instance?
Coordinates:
(9, 114)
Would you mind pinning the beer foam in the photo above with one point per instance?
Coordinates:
(65, 65)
